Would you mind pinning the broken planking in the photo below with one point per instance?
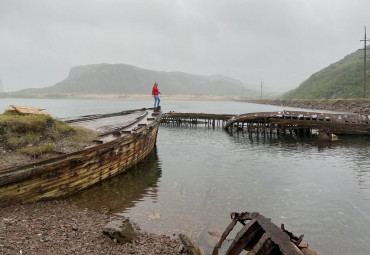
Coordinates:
(190, 247)
(28, 110)
(260, 236)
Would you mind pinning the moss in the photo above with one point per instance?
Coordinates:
(38, 150)
(19, 131)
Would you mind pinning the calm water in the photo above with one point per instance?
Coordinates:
(197, 176)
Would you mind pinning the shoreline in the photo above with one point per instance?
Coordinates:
(359, 106)
(178, 97)
(57, 227)
(355, 105)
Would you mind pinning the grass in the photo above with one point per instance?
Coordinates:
(37, 133)
(342, 79)
(38, 150)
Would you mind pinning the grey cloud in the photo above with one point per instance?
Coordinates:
(281, 42)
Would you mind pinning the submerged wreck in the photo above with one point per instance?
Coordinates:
(260, 236)
(125, 138)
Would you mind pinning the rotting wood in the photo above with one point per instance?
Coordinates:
(209, 120)
(69, 173)
(28, 110)
(189, 246)
(283, 122)
(260, 236)
(337, 123)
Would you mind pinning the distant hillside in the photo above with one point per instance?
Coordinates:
(342, 79)
(127, 79)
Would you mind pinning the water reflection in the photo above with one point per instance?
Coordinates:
(124, 191)
(203, 174)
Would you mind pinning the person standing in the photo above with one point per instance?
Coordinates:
(155, 94)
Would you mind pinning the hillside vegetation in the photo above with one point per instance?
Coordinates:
(342, 79)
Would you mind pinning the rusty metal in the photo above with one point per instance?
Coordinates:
(260, 236)
(115, 151)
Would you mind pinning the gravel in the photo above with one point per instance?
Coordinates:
(360, 106)
(56, 227)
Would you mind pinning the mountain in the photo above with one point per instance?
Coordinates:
(128, 79)
(342, 79)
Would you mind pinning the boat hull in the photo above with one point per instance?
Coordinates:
(70, 173)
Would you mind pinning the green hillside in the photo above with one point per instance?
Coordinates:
(342, 79)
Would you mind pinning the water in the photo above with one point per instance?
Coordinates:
(197, 176)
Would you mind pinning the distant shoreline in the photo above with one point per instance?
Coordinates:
(120, 97)
(354, 105)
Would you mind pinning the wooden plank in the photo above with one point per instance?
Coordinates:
(249, 232)
(28, 110)
(278, 236)
(263, 246)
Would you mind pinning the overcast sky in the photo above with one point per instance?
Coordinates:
(279, 42)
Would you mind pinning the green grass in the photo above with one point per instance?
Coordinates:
(38, 150)
(21, 132)
(342, 79)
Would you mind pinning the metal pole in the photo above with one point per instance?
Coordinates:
(261, 90)
(364, 49)
(364, 92)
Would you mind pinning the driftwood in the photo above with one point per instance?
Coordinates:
(260, 236)
(28, 110)
(189, 246)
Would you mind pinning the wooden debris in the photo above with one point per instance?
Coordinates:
(301, 122)
(28, 110)
(189, 246)
(260, 236)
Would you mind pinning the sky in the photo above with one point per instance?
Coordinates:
(278, 43)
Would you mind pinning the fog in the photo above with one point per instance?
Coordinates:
(278, 42)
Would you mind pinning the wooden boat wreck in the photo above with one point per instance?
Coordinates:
(125, 138)
(260, 236)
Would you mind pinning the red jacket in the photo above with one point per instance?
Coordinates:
(155, 91)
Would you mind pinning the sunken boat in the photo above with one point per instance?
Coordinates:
(125, 138)
(260, 236)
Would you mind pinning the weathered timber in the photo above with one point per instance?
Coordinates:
(260, 236)
(189, 246)
(117, 150)
(210, 120)
(299, 123)
(28, 110)
(302, 122)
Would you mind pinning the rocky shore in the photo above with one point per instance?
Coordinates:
(56, 227)
(360, 106)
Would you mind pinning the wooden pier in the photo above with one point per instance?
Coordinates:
(190, 119)
(299, 123)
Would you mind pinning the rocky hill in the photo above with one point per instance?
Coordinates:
(342, 79)
(127, 79)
